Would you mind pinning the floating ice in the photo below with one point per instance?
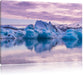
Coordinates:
(73, 34)
(29, 27)
(42, 30)
(31, 34)
(45, 30)
(79, 33)
(11, 33)
(70, 35)
(19, 34)
(6, 33)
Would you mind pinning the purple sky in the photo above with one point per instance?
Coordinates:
(64, 13)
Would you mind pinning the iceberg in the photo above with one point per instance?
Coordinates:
(31, 34)
(19, 34)
(42, 30)
(29, 27)
(45, 30)
(6, 34)
(72, 34)
(79, 33)
(11, 34)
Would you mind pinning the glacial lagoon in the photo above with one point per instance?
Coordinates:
(43, 43)
(40, 51)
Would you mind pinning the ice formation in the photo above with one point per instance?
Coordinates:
(42, 30)
(72, 34)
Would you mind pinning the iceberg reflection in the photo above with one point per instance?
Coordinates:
(40, 45)
(73, 43)
(44, 45)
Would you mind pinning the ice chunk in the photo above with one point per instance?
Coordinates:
(41, 30)
(29, 27)
(45, 30)
(6, 33)
(70, 35)
(19, 34)
(11, 33)
(45, 34)
(31, 34)
(51, 27)
(79, 33)
(73, 34)
(39, 25)
(73, 38)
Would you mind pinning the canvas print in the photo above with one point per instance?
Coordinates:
(40, 32)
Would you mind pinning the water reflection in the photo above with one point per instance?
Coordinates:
(7, 43)
(40, 45)
(44, 45)
(30, 43)
(73, 43)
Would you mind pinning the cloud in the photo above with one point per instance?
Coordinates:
(68, 5)
(62, 12)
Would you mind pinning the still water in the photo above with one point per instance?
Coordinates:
(40, 51)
